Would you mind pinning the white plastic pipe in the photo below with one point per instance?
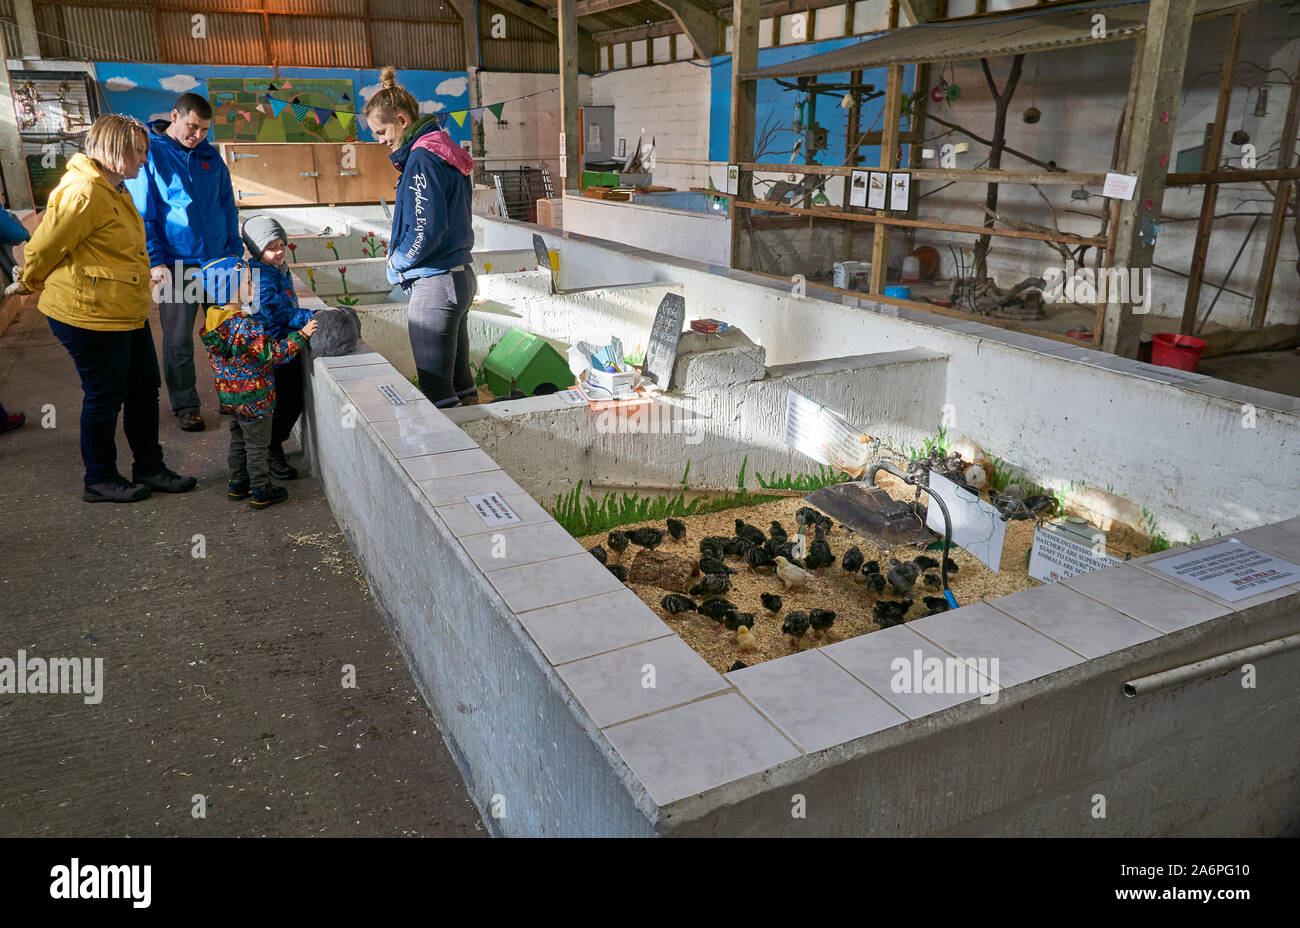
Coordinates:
(1209, 666)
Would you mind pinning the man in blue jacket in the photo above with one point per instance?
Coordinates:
(188, 205)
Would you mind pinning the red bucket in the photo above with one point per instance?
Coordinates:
(1182, 352)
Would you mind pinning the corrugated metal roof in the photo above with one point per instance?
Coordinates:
(987, 37)
(429, 46)
(97, 34)
(318, 43)
(232, 38)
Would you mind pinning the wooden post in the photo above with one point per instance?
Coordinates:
(1285, 159)
(851, 152)
(1169, 24)
(1001, 102)
(744, 100)
(888, 149)
(570, 125)
(12, 163)
(1213, 151)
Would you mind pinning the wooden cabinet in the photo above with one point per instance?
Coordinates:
(308, 173)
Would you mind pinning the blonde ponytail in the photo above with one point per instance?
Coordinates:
(391, 98)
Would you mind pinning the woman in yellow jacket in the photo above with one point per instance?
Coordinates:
(88, 259)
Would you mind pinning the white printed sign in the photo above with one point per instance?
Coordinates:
(391, 394)
(1230, 570)
(573, 397)
(858, 192)
(879, 190)
(492, 509)
(563, 148)
(1055, 557)
(824, 436)
(1120, 186)
(733, 179)
(900, 186)
(976, 525)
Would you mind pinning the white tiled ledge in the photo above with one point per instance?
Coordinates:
(696, 729)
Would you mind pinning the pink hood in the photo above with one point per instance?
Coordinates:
(440, 144)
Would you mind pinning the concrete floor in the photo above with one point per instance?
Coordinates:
(223, 674)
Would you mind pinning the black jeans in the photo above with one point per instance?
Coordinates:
(438, 323)
(288, 401)
(119, 371)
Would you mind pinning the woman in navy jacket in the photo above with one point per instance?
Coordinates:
(429, 248)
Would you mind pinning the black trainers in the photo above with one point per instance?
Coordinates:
(167, 481)
(279, 466)
(117, 490)
(238, 489)
(192, 422)
(268, 496)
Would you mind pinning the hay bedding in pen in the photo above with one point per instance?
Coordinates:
(845, 594)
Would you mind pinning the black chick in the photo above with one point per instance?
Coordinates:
(739, 665)
(714, 565)
(852, 560)
(733, 620)
(889, 614)
(952, 568)
(675, 603)
(902, 577)
(677, 529)
(875, 583)
(757, 557)
(778, 532)
(618, 570)
(749, 532)
(714, 546)
(820, 556)
(821, 529)
(870, 567)
(599, 554)
(821, 619)
(771, 602)
(1041, 505)
(935, 604)
(711, 585)
(617, 541)
(925, 562)
(736, 547)
(716, 608)
(931, 581)
(805, 515)
(646, 537)
(795, 624)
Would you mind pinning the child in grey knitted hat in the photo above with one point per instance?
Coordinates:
(280, 313)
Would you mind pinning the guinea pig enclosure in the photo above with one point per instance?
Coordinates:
(583, 708)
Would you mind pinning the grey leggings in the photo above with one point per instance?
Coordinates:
(438, 322)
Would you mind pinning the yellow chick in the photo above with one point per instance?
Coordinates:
(745, 638)
(790, 574)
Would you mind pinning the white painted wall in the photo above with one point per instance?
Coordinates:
(670, 103)
(1081, 93)
(532, 131)
(698, 236)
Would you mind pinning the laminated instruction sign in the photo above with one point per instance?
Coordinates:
(976, 525)
(492, 509)
(1230, 570)
(825, 436)
(1055, 557)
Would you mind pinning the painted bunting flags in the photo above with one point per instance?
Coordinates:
(277, 107)
(495, 109)
(323, 113)
(300, 111)
(459, 116)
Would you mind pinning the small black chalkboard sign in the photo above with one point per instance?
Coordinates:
(544, 259)
(665, 336)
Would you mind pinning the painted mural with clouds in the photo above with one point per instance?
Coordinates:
(148, 91)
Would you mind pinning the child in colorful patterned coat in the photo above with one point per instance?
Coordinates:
(244, 354)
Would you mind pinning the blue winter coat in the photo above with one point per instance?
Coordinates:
(187, 202)
(432, 228)
(278, 311)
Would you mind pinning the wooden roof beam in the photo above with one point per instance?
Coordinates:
(699, 24)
